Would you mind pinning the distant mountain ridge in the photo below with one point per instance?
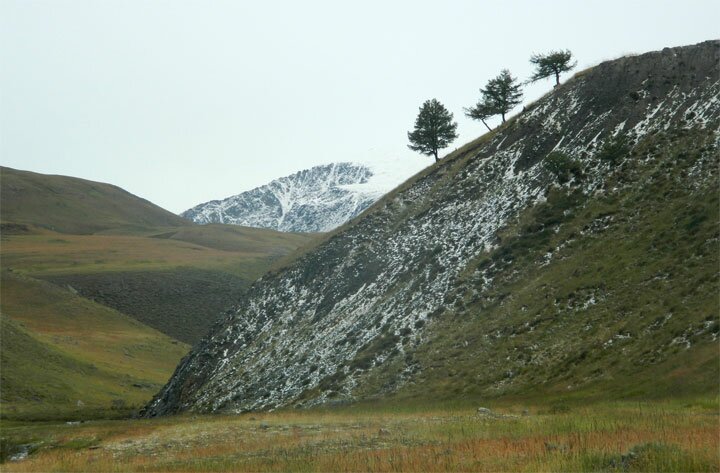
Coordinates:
(318, 199)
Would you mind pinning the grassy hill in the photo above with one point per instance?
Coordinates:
(244, 253)
(129, 254)
(104, 319)
(102, 292)
(165, 279)
(236, 238)
(66, 356)
(71, 205)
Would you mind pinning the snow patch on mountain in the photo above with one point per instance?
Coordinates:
(388, 174)
(318, 199)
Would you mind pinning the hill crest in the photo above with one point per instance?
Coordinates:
(73, 205)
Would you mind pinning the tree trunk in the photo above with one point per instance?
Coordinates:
(503, 116)
(436, 156)
(486, 125)
(557, 78)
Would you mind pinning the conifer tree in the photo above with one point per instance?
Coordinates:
(502, 94)
(552, 63)
(434, 129)
(481, 111)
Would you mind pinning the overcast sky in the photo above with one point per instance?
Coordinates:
(181, 102)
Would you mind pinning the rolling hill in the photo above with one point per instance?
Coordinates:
(129, 254)
(64, 356)
(77, 206)
(102, 292)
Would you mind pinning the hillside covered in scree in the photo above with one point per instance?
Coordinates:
(494, 273)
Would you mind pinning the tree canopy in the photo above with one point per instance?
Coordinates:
(552, 63)
(481, 111)
(501, 94)
(434, 129)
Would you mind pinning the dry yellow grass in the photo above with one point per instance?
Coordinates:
(608, 437)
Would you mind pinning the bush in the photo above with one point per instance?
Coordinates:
(562, 166)
(614, 150)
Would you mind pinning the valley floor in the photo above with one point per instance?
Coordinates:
(638, 436)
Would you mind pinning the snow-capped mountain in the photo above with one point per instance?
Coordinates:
(318, 199)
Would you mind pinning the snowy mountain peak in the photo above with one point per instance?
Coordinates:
(318, 199)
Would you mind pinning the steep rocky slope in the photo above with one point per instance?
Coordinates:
(491, 273)
(318, 199)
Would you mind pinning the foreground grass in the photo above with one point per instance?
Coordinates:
(603, 437)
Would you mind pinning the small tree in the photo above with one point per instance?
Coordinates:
(502, 94)
(481, 111)
(434, 129)
(552, 63)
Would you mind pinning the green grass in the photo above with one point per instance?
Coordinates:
(176, 280)
(64, 225)
(618, 436)
(234, 238)
(72, 205)
(248, 253)
(121, 253)
(181, 302)
(58, 348)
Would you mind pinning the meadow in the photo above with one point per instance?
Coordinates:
(678, 435)
(64, 356)
(243, 252)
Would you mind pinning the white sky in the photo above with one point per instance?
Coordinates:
(181, 102)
